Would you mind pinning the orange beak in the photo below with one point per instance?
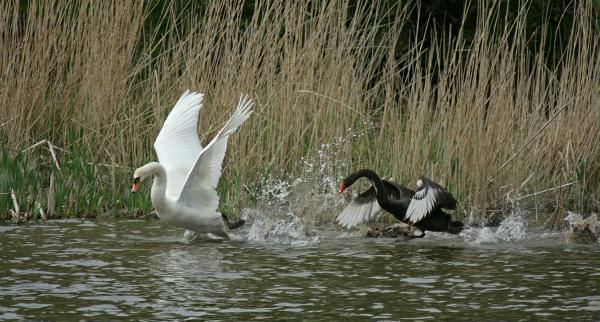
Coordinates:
(342, 187)
(136, 185)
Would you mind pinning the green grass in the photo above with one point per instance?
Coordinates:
(82, 188)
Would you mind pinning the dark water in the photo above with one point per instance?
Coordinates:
(136, 270)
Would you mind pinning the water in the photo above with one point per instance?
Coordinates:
(137, 270)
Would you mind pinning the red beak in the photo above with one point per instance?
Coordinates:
(342, 187)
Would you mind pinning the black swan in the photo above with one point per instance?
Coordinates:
(423, 208)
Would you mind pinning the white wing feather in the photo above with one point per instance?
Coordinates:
(177, 145)
(203, 177)
(421, 204)
(357, 213)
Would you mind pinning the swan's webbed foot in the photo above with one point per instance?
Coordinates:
(233, 225)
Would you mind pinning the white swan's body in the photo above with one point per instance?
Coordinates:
(186, 176)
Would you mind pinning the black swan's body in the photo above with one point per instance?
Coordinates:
(422, 208)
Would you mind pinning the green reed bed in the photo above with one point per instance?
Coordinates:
(74, 187)
(505, 118)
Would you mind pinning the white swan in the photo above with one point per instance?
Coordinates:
(183, 193)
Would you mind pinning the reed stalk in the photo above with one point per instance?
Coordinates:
(91, 78)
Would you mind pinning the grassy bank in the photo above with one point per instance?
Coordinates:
(490, 118)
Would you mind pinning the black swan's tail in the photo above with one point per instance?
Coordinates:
(233, 225)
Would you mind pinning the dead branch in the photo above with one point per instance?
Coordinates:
(42, 212)
(547, 190)
(51, 147)
(14, 118)
(51, 201)
(44, 141)
(16, 211)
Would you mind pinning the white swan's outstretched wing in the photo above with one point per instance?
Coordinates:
(363, 208)
(428, 197)
(177, 145)
(203, 177)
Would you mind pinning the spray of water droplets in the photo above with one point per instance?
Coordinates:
(290, 210)
(512, 228)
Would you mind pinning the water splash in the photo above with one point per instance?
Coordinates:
(573, 218)
(288, 213)
(512, 228)
(275, 191)
(283, 229)
(288, 209)
(324, 168)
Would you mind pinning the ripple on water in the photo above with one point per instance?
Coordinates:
(97, 309)
(33, 272)
(129, 299)
(65, 272)
(81, 262)
(33, 305)
(420, 280)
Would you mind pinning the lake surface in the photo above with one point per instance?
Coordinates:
(77, 270)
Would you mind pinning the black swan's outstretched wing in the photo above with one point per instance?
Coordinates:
(362, 209)
(365, 207)
(428, 197)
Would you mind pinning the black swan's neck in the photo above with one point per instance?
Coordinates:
(376, 182)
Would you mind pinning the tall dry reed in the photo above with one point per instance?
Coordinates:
(490, 118)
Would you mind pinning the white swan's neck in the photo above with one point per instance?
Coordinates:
(158, 194)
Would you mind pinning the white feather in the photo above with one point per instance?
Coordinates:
(188, 199)
(356, 213)
(422, 204)
(204, 175)
(177, 144)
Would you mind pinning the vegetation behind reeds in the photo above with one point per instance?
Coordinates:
(487, 116)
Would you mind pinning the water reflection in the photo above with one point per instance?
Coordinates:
(136, 270)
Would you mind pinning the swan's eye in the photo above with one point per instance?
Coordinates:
(136, 180)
